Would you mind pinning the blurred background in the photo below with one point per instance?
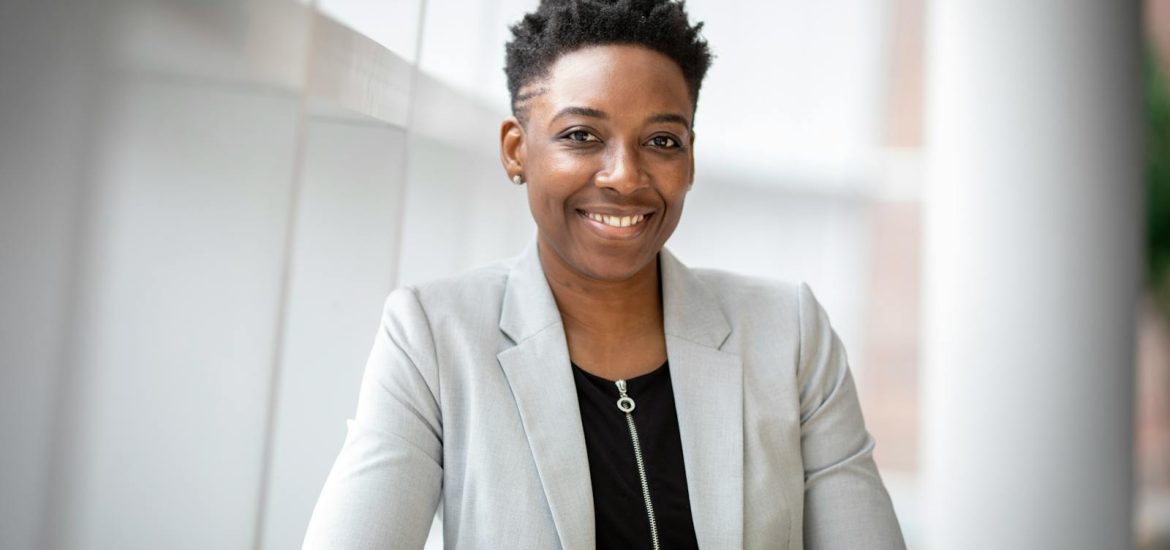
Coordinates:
(204, 204)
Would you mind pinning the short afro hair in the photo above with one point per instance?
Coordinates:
(558, 27)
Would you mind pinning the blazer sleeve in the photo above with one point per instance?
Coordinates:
(384, 487)
(845, 503)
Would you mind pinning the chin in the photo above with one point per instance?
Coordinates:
(616, 267)
(600, 260)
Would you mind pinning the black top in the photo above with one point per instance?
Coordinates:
(618, 506)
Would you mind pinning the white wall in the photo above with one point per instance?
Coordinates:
(41, 100)
(175, 326)
(342, 267)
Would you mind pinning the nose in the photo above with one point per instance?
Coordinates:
(623, 171)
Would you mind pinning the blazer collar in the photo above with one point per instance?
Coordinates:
(529, 305)
(689, 309)
(708, 389)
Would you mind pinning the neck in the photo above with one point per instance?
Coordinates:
(609, 314)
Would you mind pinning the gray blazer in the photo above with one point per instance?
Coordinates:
(468, 396)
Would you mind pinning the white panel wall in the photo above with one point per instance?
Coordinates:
(343, 267)
(175, 332)
(42, 102)
(393, 24)
(462, 210)
(181, 203)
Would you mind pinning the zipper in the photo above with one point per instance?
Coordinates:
(626, 405)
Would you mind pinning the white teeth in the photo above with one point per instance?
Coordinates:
(617, 221)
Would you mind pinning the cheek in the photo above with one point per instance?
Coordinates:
(554, 165)
(547, 204)
(568, 168)
(669, 166)
(675, 195)
(676, 206)
(557, 177)
(539, 200)
(674, 179)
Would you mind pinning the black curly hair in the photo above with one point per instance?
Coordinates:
(561, 26)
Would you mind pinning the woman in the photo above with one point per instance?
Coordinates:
(594, 391)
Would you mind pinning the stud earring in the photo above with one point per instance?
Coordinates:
(517, 180)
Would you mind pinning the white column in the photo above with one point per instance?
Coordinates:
(1034, 206)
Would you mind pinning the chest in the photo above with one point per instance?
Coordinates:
(615, 359)
(517, 466)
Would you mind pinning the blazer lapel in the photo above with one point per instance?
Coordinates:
(537, 369)
(708, 390)
(708, 393)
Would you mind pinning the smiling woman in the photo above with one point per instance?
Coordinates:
(597, 150)
(594, 391)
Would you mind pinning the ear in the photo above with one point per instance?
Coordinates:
(512, 147)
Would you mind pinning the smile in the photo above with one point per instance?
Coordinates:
(615, 227)
(616, 221)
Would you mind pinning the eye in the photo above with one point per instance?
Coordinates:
(581, 136)
(665, 142)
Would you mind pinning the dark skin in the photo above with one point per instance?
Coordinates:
(607, 131)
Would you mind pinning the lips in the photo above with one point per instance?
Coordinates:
(616, 220)
(614, 224)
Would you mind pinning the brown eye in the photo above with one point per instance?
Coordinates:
(581, 136)
(666, 142)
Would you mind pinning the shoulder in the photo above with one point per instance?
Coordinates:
(468, 296)
(739, 292)
(786, 305)
(483, 285)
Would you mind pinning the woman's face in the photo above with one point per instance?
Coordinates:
(606, 152)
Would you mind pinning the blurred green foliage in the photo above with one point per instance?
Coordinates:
(1157, 180)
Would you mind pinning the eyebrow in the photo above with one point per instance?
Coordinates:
(594, 113)
(580, 111)
(669, 117)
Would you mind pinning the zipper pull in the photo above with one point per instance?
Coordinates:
(624, 403)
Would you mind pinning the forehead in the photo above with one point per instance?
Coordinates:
(622, 81)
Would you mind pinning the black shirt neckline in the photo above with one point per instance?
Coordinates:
(634, 386)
